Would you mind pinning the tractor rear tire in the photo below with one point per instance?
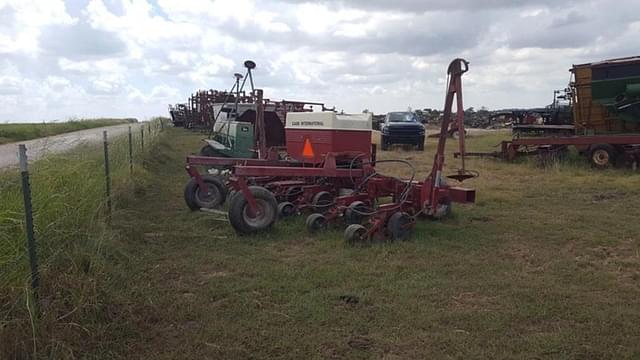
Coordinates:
(602, 156)
(215, 197)
(239, 214)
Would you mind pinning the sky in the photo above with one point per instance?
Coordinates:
(130, 58)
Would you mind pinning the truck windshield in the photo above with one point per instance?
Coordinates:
(401, 117)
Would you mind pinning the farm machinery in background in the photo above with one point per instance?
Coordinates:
(329, 171)
(231, 118)
(601, 120)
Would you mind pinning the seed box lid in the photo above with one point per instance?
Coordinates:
(328, 120)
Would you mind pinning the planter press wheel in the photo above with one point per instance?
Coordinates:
(240, 215)
(214, 197)
(316, 223)
(355, 234)
(355, 213)
(286, 209)
(322, 201)
(293, 193)
(443, 210)
(399, 226)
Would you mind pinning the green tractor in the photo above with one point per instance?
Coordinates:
(230, 139)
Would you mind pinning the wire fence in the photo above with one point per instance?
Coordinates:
(70, 198)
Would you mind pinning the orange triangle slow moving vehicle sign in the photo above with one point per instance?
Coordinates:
(307, 150)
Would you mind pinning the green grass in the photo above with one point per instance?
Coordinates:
(20, 132)
(74, 242)
(546, 264)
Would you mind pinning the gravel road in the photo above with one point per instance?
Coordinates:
(37, 148)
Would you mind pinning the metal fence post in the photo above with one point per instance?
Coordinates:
(142, 137)
(107, 173)
(130, 151)
(28, 212)
(161, 125)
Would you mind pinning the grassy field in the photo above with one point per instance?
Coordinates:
(20, 132)
(74, 244)
(545, 265)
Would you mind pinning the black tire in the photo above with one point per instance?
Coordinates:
(623, 160)
(355, 234)
(354, 214)
(207, 150)
(602, 156)
(293, 193)
(286, 209)
(399, 227)
(316, 223)
(239, 216)
(420, 144)
(322, 201)
(384, 146)
(216, 196)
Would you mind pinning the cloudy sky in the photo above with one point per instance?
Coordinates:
(88, 58)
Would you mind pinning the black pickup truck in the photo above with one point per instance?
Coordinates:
(402, 128)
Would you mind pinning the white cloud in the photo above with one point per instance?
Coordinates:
(57, 82)
(107, 83)
(92, 66)
(161, 92)
(25, 23)
(138, 24)
(10, 85)
(132, 57)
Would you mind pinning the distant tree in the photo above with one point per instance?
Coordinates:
(365, 111)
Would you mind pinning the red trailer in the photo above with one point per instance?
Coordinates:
(602, 150)
(605, 102)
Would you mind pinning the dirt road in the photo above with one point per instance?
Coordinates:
(37, 148)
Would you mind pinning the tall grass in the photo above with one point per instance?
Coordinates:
(20, 132)
(73, 239)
